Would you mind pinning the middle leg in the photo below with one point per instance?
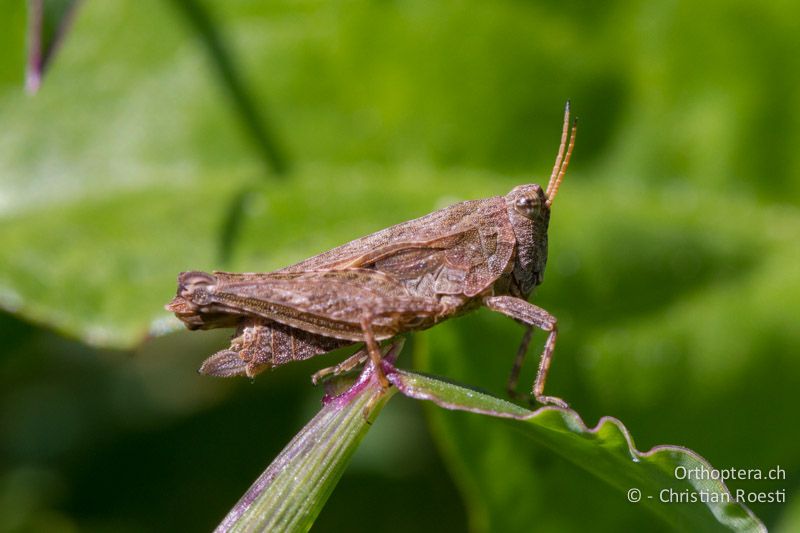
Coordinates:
(358, 358)
(372, 349)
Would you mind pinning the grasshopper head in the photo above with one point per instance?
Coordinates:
(529, 213)
(528, 202)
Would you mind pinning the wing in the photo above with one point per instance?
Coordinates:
(329, 303)
(461, 249)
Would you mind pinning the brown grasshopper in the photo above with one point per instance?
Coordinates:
(408, 277)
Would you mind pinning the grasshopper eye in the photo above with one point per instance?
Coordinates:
(527, 206)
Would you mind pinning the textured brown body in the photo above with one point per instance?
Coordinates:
(407, 277)
(404, 278)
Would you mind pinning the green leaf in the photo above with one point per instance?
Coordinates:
(88, 268)
(607, 451)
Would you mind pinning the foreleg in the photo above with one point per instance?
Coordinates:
(531, 316)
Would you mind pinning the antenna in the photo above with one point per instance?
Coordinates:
(562, 160)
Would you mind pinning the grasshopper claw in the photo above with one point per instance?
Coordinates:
(550, 400)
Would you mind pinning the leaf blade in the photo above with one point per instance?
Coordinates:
(291, 492)
(607, 451)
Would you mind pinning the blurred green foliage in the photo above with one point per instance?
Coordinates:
(672, 269)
